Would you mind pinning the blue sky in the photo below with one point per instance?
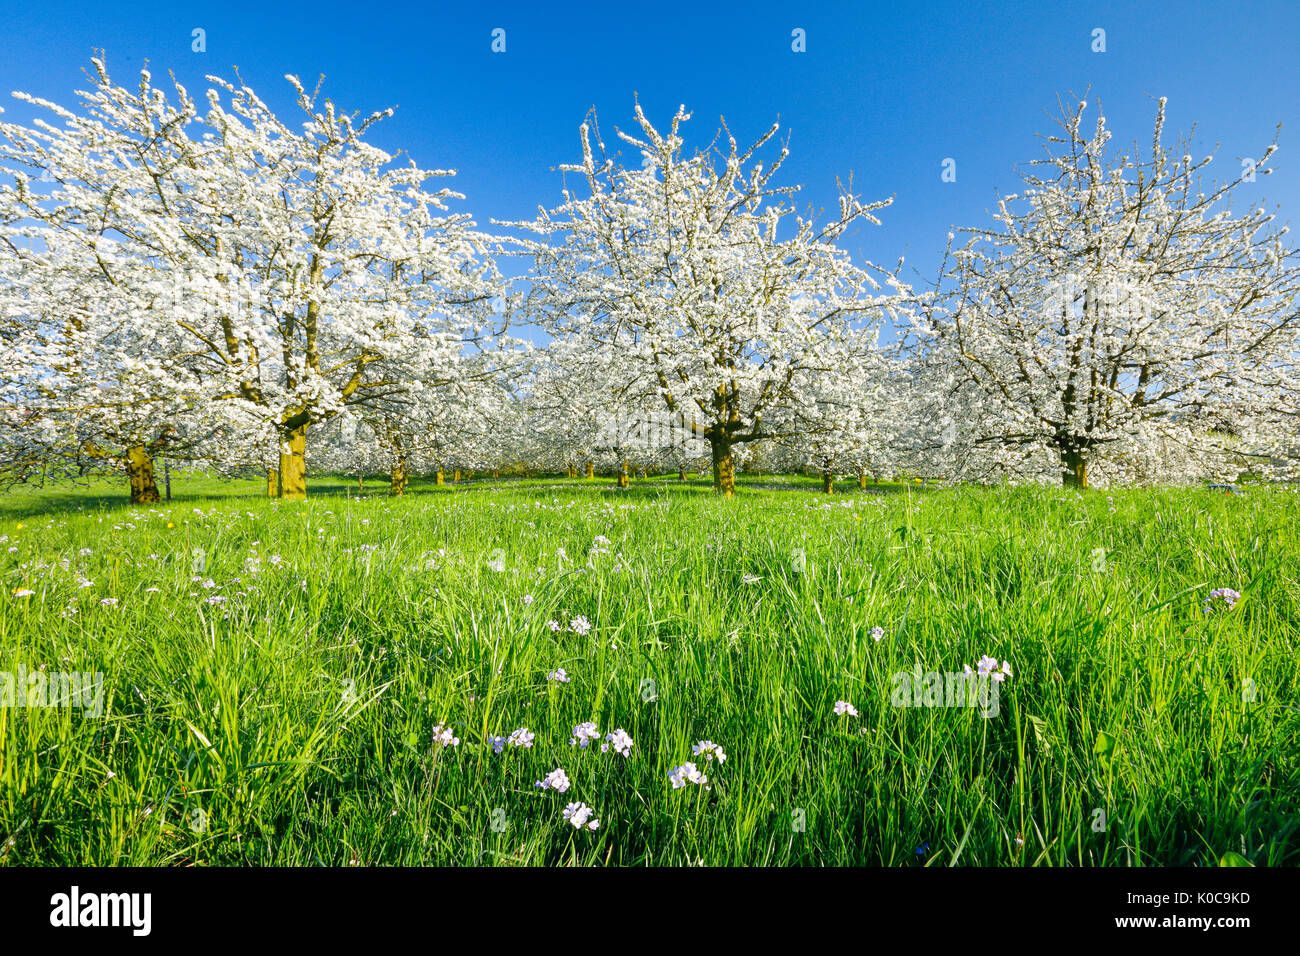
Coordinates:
(885, 91)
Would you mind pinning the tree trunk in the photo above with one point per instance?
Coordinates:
(681, 474)
(400, 479)
(1074, 469)
(623, 478)
(724, 467)
(440, 479)
(573, 472)
(361, 484)
(457, 476)
(591, 469)
(293, 465)
(862, 479)
(496, 474)
(139, 472)
(167, 477)
(272, 483)
(828, 482)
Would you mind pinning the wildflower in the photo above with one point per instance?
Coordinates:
(750, 579)
(581, 816)
(523, 737)
(584, 734)
(922, 850)
(497, 744)
(709, 750)
(108, 602)
(620, 741)
(528, 599)
(989, 667)
(877, 633)
(24, 592)
(558, 675)
(553, 625)
(556, 780)
(580, 625)
(844, 707)
(1228, 596)
(445, 736)
(686, 773)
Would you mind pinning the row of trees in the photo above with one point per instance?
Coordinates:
(215, 286)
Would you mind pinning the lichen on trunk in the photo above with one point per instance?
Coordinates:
(724, 466)
(1074, 468)
(293, 465)
(139, 472)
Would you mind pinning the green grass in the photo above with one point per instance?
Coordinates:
(291, 724)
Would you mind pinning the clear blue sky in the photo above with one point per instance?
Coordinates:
(885, 91)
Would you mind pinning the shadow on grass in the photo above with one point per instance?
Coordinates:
(26, 502)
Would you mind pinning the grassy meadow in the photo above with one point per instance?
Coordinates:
(282, 682)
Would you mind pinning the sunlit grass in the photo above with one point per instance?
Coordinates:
(291, 722)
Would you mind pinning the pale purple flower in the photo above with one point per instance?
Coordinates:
(523, 737)
(686, 773)
(581, 816)
(556, 780)
(620, 741)
(445, 736)
(1228, 596)
(709, 751)
(989, 667)
(584, 734)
